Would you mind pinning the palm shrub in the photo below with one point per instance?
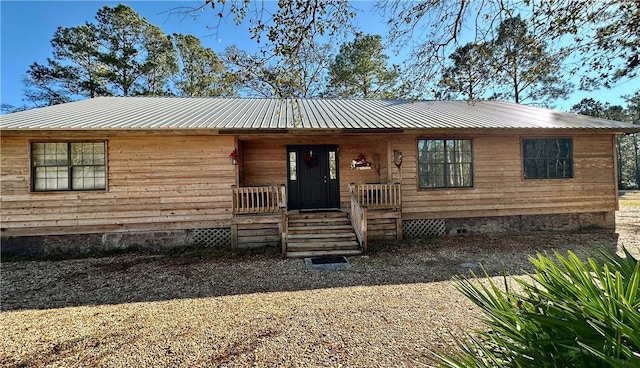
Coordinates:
(568, 313)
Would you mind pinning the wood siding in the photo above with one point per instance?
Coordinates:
(499, 188)
(164, 181)
(251, 231)
(155, 182)
(383, 224)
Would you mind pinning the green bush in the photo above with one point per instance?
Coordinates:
(568, 313)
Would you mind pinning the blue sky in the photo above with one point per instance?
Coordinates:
(27, 28)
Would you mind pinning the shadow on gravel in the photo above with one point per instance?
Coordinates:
(200, 273)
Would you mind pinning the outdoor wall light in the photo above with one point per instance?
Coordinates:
(234, 157)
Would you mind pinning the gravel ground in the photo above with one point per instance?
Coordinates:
(628, 221)
(391, 308)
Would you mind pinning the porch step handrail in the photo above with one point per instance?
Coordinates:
(259, 199)
(379, 196)
(358, 219)
(284, 229)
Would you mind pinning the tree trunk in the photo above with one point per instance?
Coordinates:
(516, 91)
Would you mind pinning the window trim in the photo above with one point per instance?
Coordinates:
(32, 169)
(445, 139)
(522, 158)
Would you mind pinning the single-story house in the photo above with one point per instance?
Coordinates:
(314, 176)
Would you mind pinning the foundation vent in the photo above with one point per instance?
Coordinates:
(423, 227)
(212, 237)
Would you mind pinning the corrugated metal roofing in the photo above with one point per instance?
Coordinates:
(293, 114)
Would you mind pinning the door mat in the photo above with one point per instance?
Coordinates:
(327, 263)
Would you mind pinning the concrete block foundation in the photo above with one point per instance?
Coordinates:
(574, 222)
(94, 243)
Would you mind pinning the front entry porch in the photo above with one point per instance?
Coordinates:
(261, 217)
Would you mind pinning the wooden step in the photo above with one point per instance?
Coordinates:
(312, 230)
(345, 245)
(319, 221)
(326, 240)
(315, 215)
(341, 235)
(320, 243)
(337, 245)
(321, 253)
(321, 233)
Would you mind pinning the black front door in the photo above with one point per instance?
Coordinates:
(313, 177)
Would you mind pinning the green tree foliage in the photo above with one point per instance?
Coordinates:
(513, 64)
(160, 63)
(570, 314)
(360, 70)
(78, 48)
(202, 73)
(74, 70)
(590, 107)
(122, 54)
(137, 56)
(633, 141)
(470, 75)
(626, 149)
(525, 70)
(47, 85)
(627, 146)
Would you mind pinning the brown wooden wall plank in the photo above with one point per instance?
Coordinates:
(155, 182)
(499, 188)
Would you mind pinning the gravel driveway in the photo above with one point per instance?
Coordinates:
(391, 308)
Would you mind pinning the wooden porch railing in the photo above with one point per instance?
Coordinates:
(284, 224)
(378, 196)
(358, 218)
(253, 200)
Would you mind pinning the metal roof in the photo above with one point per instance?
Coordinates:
(148, 113)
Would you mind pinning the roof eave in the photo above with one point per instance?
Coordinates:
(231, 131)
